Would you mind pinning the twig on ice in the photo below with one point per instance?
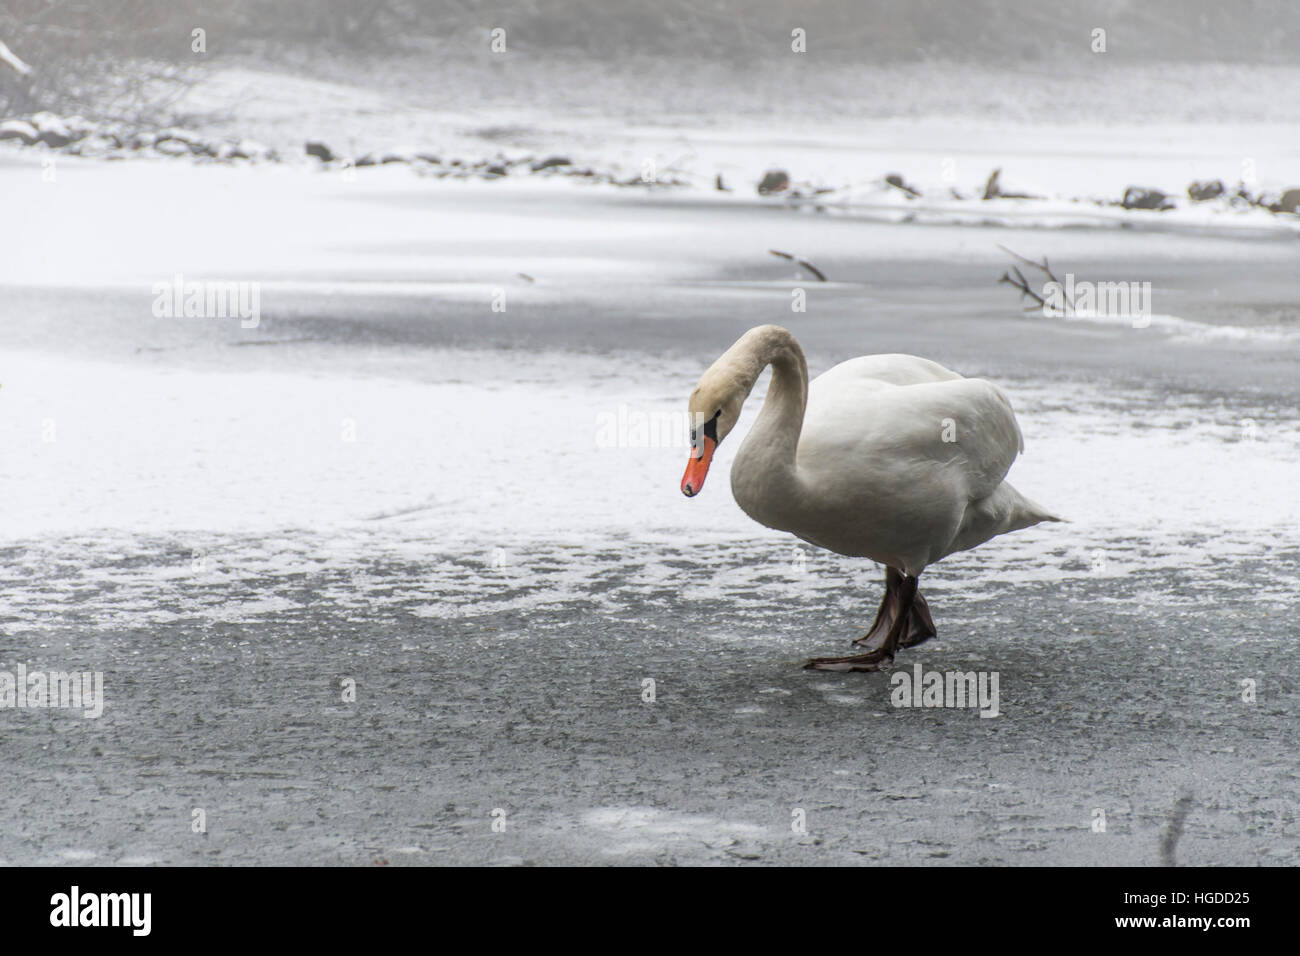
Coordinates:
(803, 262)
(1020, 283)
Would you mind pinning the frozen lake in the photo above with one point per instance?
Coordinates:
(445, 465)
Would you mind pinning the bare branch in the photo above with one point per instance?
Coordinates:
(1043, 267)
(803, 262)
(1019, 282)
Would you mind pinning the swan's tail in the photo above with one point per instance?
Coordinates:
(1040, 514)
(1003, 511)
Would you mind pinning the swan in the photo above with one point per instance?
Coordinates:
(889, 457)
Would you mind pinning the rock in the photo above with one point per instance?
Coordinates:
(97, 144)
(1290, 201)
(551, 162)
(719, 185)
(188, 137)
(173, 147)
(257, 151)
(143, 140)
(1242, 194)
(78, 124)
(496, 170)
(774, 181)
(895, 180)
(52, 131)
(78, 127)
(1136, 197)
(320, 151)
(112, 132)
(1201, 190)
(20, 130)
(177, 142)
(379, 158)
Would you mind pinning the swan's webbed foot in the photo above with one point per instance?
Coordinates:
(902, 621)
(870, 661)
(920, 625)
(874, 639)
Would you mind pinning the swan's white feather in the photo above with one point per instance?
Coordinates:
(899, 459)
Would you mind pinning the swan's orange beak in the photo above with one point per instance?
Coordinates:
(698, 466)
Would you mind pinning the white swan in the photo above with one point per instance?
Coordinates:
(888, 457)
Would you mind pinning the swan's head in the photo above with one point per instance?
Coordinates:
(715, 409)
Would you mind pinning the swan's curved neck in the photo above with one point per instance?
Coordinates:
(768, 453)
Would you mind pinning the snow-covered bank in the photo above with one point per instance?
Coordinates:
(1084, 179)
(1075, 137)
(138, 223)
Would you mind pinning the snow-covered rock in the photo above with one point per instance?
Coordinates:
(20, 130)
(551, 162)
(53, 130)
(1138, 197)
(1201, 191)
(95, 145)
(173, 147)
(774, 181)
(243, 149)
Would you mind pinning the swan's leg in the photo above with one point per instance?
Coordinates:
(875, 637)
(883, 655)
(920, 625)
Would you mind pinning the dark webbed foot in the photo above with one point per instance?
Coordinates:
(870, 661)
(902, 621)
(920, 626)
(874, 639)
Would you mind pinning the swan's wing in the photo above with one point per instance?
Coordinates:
(891, 369)
(960, 433)
(986, 435)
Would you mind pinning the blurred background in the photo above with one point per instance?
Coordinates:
(94, 57)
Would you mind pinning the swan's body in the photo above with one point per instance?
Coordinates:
(875, 477)
(889, 457)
